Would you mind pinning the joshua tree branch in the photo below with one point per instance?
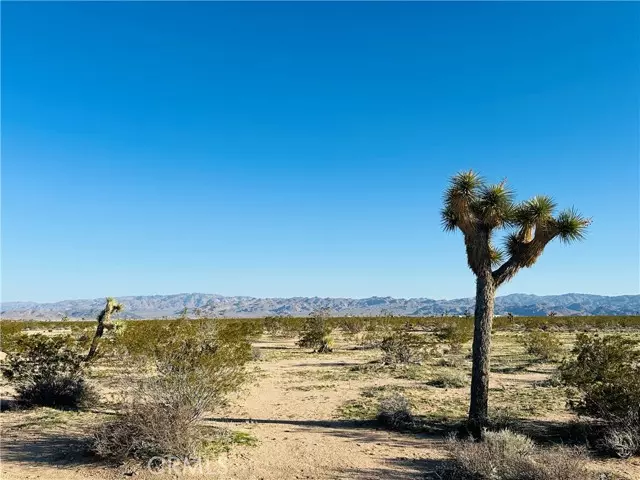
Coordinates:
(526, 254)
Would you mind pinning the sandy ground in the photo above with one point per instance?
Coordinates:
(292, 415)
(299, 437)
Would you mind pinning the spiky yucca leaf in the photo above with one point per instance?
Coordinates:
(535, 211)
(495, 205)
(464, 185)
(512, 244)
(571, 226)
(497, 255)
(449, 219)
(459, 199)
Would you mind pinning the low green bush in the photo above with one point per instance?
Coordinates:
(192, 366)
(449, 380)
(316, 334)
(604, 379)
(352, 325)
(48, 371)
(455, 333)
(604, 371)
(543, 345)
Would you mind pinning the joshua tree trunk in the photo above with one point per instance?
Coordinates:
(96, 339)
(104, 318)
(485, 298)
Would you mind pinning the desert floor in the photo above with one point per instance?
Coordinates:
(311, 416)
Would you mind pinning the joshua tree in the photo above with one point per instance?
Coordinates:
(104, 321)
(478, 210)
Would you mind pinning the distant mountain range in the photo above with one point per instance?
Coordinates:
(171, 306)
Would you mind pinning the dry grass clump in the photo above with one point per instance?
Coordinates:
(449, 380)
(621, 436)
(147, 430)
(395, 412)
(256, 353)
(505, 455)
(403, 348)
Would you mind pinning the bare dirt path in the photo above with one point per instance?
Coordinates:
(299, 436)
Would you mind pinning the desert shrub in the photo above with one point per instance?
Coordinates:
(621, 436)
(502, 418)
(146, 430)
(605, 373)
(272, 326)
(449, 380)
(317, 334)
(10, 331)
(194, 365)
(48, 371)
(451, 362)
(256, 353)
(455, 333)
(292, 327)
(505, 455)
(375, 330)
(352, 325)
(604, 376)
(394, 411)
(542, 345)
(553, 381)
(403, 347)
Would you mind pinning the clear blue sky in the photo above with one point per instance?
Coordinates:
(302, 148)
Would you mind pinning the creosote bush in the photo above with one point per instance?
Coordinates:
(375, 331)
(605, 376)
(455, 333)
(403, 347)
(543, 345)
(505, 455)
(605, 372)
(316, 334)
(192, 366)
(352, 325)
(48, 371)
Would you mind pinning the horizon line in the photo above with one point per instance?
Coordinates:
(314, 296)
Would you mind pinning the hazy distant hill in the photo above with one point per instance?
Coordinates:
(158, 306)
